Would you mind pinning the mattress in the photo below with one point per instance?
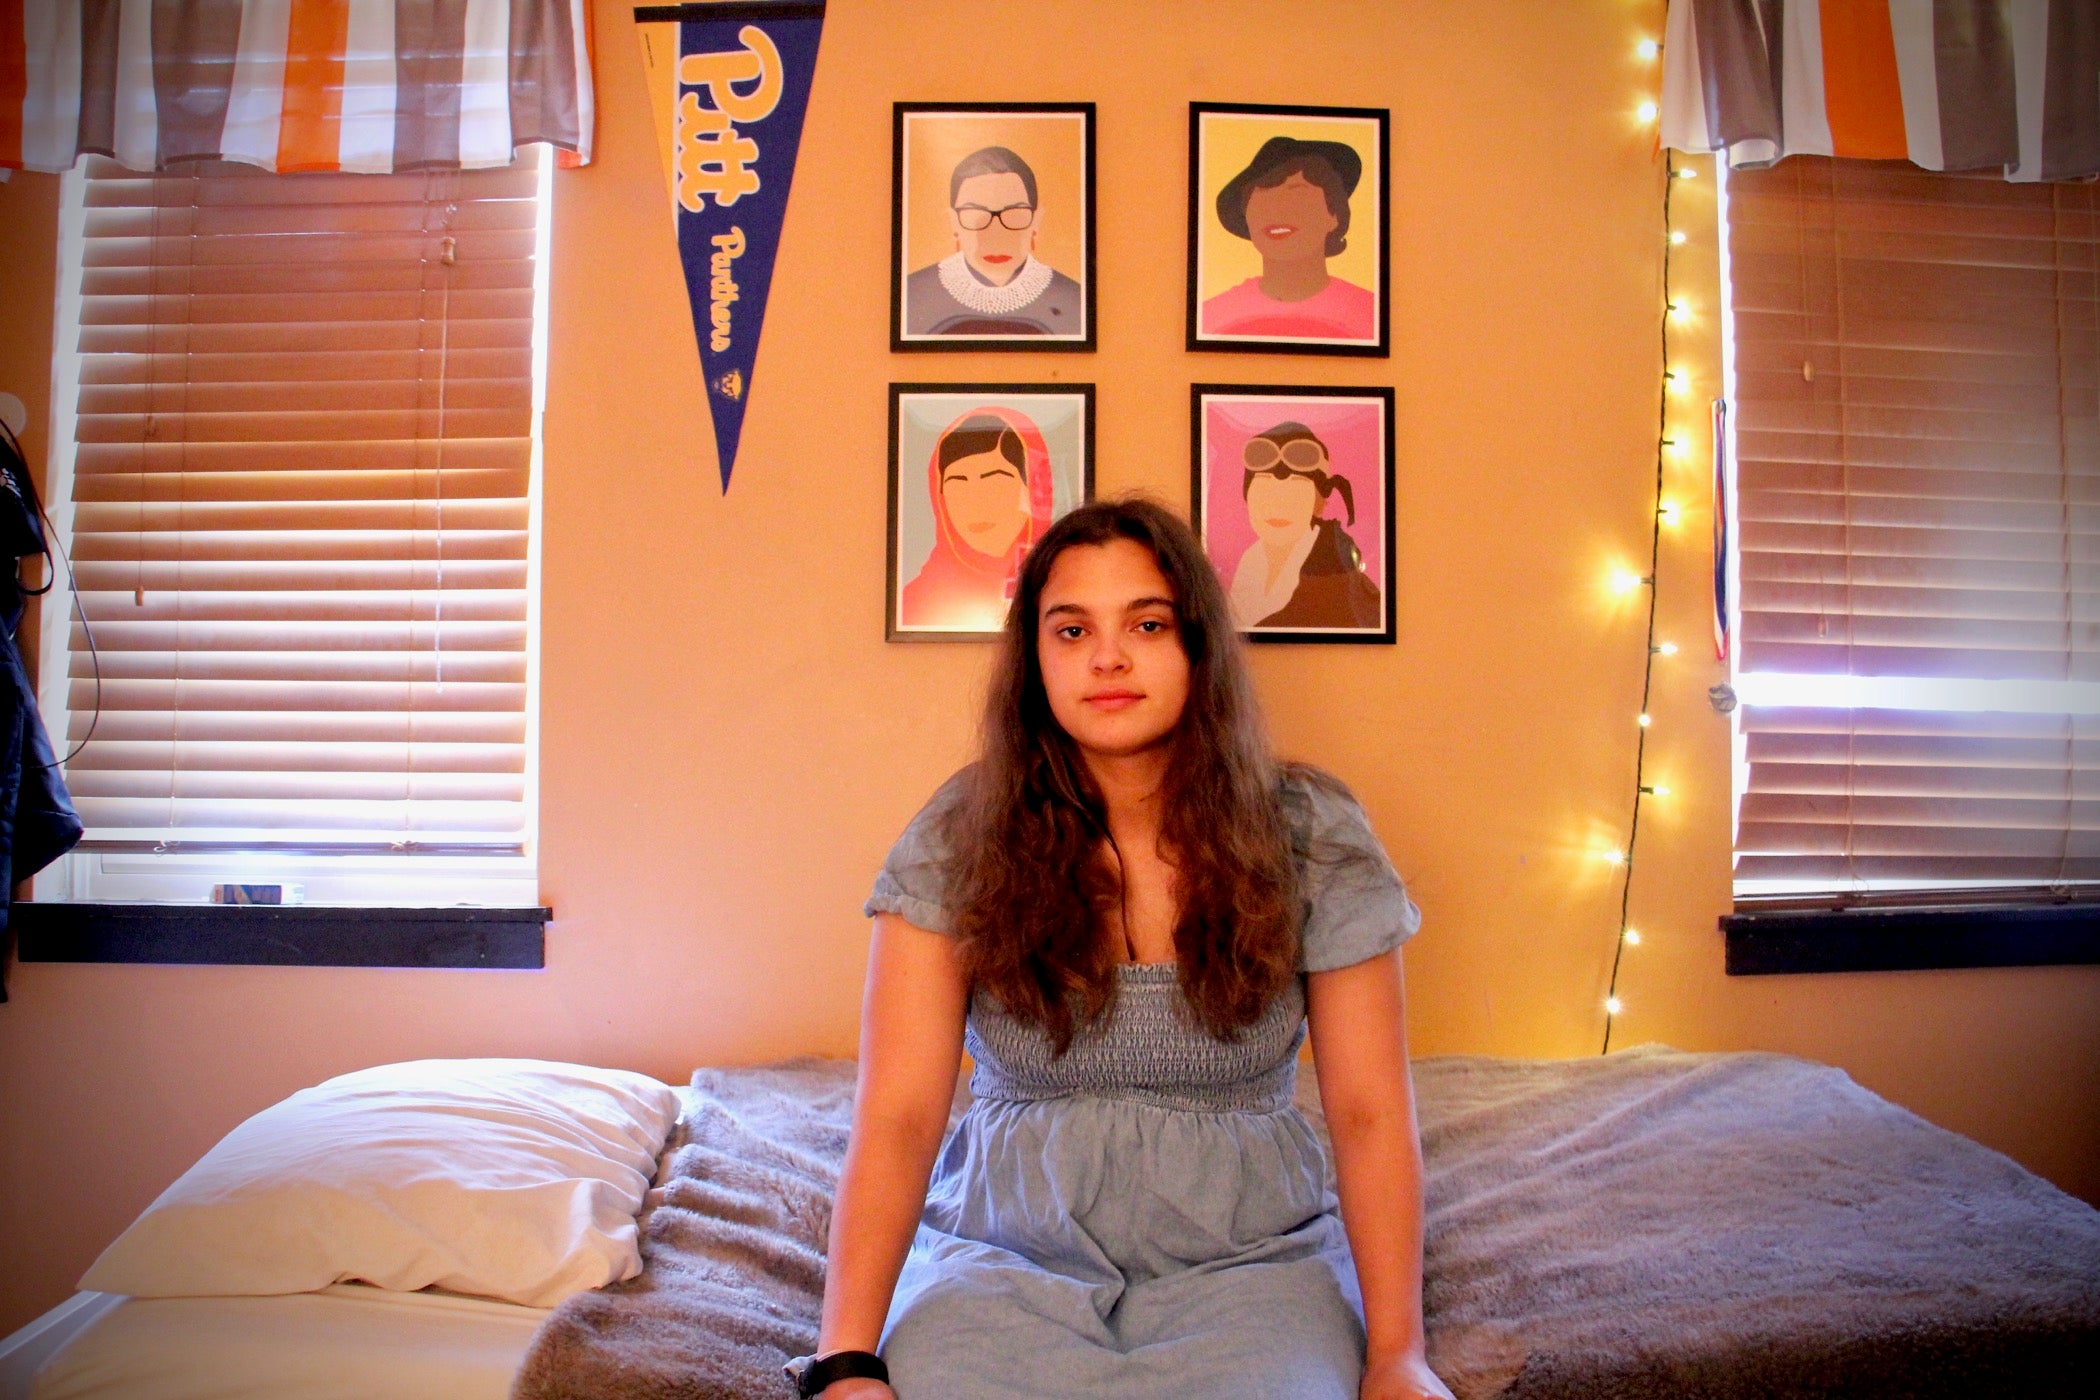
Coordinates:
(347, 1342)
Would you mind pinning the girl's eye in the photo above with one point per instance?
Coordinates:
(1152, 625)
(1071, 631)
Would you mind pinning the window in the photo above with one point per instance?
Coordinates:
(1915, 382)
(299, 495)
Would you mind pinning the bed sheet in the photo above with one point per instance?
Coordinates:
(347, 1342)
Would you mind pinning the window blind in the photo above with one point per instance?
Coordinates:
(301, 500)
(1917, 409)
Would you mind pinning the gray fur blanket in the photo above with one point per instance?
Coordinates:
(1651, 1223)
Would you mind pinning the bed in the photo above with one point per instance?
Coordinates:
(1648, 1223)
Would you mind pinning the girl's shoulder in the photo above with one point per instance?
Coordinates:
(1320, 808)
(1353, 902)
(914, 877)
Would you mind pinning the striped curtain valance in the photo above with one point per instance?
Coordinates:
(367, 86)
(1944, 84)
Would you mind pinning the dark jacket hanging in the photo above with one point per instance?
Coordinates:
(37, 820)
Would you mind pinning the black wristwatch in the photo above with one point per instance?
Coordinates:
(812, 1373)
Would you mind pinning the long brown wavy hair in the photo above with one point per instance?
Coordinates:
(1032, 881)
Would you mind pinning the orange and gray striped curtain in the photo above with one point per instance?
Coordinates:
(1944, 84)
(292, 85)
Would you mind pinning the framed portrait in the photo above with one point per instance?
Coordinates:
(1291, 491)
(992, 226)
(977, 474)
(1289, 238)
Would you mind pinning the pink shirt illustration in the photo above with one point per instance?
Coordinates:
(1338, 311)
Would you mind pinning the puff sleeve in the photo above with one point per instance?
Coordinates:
(913, 881)
(1355, 906)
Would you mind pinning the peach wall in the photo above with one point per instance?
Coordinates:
(729, 745)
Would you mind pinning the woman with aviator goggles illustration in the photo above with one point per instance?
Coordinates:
(1303, 570)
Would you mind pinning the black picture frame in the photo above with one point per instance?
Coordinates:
(1232, 127)
(923, 296)
(1348, 421)
(957, 585)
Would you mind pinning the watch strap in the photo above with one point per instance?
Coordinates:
(812, 1374)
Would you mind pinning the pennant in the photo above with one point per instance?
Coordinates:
(730, 85)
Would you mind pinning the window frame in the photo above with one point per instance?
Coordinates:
(1865, 931)
(370, 881)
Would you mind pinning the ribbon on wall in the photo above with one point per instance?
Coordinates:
(730, 86)
(1724, 525)
(1944, 84)
(369, 86)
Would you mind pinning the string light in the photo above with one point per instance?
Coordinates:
(1667, 512)
(1649, 111)
(1648, 48)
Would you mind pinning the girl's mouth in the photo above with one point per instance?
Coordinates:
(997, 258)
(1280, 230)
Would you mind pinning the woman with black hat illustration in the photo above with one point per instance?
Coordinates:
(1292, 204)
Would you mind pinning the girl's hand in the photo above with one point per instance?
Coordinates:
(1403, 1377)
(856, 1389)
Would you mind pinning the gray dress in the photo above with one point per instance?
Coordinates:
(1146, 1216)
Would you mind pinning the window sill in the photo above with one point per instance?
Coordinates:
(1900, 940)
(302, 935)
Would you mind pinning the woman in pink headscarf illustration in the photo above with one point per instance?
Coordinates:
(989, 481)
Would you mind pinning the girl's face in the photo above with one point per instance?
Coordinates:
(987, 501)
(1110, 649)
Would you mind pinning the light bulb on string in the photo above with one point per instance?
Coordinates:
(1686, 172)
(1665, 649)
(1655, 789)
(1644, 719)
(1613, 1005)
(1668, 512)
(1626, 580)
(1677, 237)
(1647, 48)
(1613, 856)
(1648, 111)
(1632, 938)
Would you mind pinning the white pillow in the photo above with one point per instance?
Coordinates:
(512, 1179)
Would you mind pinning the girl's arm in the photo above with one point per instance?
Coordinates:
(910, 1049)
(1359, 1041)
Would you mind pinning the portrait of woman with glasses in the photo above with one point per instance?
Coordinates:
(994, 283)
